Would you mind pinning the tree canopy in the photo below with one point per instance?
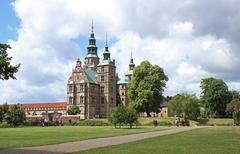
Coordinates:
(146, 87)
(122, 115)
(73, 110)
(215, 96)
(15, 116)
(7, 70)
(186, 105)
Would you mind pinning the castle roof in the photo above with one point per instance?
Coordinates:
(123, 80)
(106, 62)
(91, 75)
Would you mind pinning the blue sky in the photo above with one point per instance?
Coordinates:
(189, 42)
(9, 22)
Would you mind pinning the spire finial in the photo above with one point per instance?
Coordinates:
(131, 54)
(106, 40)
(92, 26)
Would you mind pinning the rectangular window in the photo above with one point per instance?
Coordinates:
(102, 100)
(112, 78)
(111, 100)
(102, 69)
(102, 78)
(70, 88)
(93, 99)
(81, 100)
(102, 89)
(70, 100)
(81, 87)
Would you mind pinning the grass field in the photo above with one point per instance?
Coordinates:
(35, 136)
(220, 140)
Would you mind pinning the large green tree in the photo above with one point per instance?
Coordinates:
(146, 87)
(7, 70)
(187, 105)
(15, 116)
(215, 96)
(73, 110)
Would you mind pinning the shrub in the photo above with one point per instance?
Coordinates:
(122, 116)
(93, 123)
(73, 110)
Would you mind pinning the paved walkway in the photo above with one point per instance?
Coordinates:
(92, 143)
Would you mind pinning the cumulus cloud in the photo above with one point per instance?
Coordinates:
(189, 42)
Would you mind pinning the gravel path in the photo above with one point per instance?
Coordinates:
(92, 143)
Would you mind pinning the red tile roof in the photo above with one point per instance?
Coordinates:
(44, 105)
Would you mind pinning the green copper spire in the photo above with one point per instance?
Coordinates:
(106, 53)
(92, 48)
(131, 65)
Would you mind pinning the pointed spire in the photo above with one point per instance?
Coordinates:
(106, 53)
(92, 26)
(78, 63)
(106, 40)
(131, 65)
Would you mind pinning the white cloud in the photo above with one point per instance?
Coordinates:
(166, 33)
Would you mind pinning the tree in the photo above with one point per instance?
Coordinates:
(117, 115)
(73, 110)
(122, 115)
(7, 70)
(235, 95)
(15, 116)
(215, 96)
(3, 111)
(236, 114)
(146, 87)
(231, 105)
(131, 117)
(186, 105)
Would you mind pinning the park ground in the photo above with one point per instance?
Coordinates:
(216, 139)
(211, 140)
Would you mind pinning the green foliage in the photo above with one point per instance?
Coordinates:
(236, 114)
(131, 117)
(15, 116)
(231, 105)
(186, 105)
(122, 115)
(146, 87)
(3, 111)
(235, 95)
(73, 110)
(91, 122)
(215, 96)
(7, 70)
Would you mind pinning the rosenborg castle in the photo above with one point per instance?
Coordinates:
(93, 85)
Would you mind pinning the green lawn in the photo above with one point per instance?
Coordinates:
(214, 140)
(35, 136)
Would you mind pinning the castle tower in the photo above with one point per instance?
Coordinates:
(106, 71)
(92, 59)
(122, 85)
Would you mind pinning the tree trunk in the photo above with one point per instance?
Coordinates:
(148, 114)
(131, 126)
